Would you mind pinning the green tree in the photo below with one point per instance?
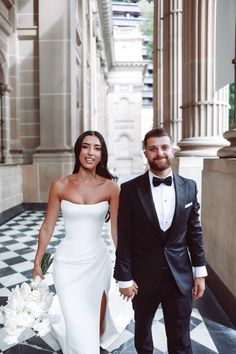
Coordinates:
(231, 102)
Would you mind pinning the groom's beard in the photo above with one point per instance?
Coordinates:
(159, 164)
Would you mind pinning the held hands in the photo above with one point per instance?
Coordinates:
(199, 287)
(129, 293)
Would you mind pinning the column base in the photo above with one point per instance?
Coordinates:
(201, 146)
(46, 168)
(229, 151)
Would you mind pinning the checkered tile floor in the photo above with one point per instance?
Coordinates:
(211, 331)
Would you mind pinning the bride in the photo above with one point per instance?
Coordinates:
(87, 299)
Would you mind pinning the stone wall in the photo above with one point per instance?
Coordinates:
(10, 187)
(218, 221)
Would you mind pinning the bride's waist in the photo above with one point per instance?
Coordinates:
(80, 252)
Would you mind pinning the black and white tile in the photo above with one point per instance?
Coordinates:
(211, 331)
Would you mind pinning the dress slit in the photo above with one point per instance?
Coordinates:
(103, 312)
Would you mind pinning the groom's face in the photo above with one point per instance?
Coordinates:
(159, 153)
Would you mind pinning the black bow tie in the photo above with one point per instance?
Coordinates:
(157, 181)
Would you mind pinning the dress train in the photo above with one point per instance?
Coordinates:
(118, 315)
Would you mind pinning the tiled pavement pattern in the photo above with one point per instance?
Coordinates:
(211, 331)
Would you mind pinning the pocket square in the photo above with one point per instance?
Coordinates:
(188, 205)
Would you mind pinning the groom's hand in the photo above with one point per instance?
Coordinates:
(130, 292)
(199, 287)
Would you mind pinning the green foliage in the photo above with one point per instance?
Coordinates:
(46, 262)
(231, 102)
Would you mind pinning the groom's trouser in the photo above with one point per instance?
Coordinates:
(177, 312)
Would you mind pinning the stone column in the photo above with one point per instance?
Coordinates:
(10, 133)
(172, 67)
(230, 135)
(101, 84)
(86, 105)
(57, 81)
(158, 64)
(205, 113)
(57, 85)
(9, 81)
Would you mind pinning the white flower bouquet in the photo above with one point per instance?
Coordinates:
(27, 307)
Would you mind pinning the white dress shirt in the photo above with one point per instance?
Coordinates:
(164, 201)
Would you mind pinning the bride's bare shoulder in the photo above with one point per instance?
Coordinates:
(112, 186)
(61, 182)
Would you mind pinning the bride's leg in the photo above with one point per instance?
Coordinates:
(102, 313)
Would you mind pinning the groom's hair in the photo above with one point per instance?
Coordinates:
(156, 133)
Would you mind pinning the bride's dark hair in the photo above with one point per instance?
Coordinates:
(101, 168)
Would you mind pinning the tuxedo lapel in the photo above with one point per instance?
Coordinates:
(145, 195)
(179, 204)
(180, 192)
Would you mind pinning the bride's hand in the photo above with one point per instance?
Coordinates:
(37, 271)
(127, 293)
(130, 292)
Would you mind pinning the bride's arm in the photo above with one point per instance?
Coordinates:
(47, 227)
(114, 203)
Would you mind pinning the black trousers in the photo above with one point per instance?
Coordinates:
(177, 310)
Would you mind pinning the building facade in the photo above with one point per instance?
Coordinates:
(125, 94)
(125, 102)
(54, 63)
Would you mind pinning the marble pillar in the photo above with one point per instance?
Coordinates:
(57, 85)
(158, 65)
(172, 67)
(230, 135)
(205, 112)
(86, 99)
(57, 79)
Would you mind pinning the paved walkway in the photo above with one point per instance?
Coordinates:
(211, 330)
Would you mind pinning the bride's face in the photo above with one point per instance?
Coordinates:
(91, 152)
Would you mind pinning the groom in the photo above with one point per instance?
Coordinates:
(159, 241)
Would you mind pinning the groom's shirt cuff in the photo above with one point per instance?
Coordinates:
(199, 272)
(125, 284)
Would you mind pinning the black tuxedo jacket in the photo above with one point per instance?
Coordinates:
(142, 250)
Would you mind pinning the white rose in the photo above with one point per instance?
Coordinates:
(2, 315)
(42, 327)
(25, 289)
(36, 295)
(11, 322)
(35, 309)
(24, 319)
(36, 282)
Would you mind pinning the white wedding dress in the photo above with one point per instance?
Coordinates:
(82, 273)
